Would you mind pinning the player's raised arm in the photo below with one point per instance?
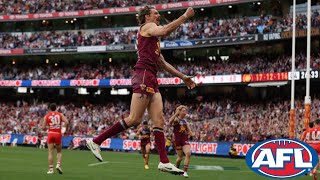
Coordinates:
(152, 29)
(174, 120)
(169, 68)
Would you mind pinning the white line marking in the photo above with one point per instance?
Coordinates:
(97, 164)
(212, 168)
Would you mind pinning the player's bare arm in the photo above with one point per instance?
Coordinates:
(303, 136)
(44, 124)
(190, 133)
(174, 119)
(139, 133)
(152, 29)
(169, 68)
(64, 119)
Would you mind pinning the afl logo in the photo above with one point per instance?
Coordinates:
(281, 158)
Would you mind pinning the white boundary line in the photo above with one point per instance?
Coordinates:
(97, 164)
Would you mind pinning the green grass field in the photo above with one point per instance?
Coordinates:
(27, 163)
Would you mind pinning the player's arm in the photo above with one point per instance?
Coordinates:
(64, 119)
(174, 119)
(303, 136)
(151, 29)
(44, 124)
(169, 68)
(190, 133)
(139, 133)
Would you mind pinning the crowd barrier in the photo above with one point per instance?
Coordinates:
(203, 148)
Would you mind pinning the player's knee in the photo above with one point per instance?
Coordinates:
(133, 120)
(188, 154)
(159, 121)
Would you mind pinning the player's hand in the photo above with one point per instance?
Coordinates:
(178, 110)
(189, 13)
(189, 82)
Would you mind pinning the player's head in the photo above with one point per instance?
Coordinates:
(145, 123)
(311, 124)
(52, 107)
(148, 14)
(317, 122)
(183, 110)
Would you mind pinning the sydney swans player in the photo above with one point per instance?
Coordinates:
(313, 139)
(54, 121)
(181, 131)
(304, 133)
(146, 94)
(145, 134)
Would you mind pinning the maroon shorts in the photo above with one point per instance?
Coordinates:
(54, 138)
(180, 142)
(144, 81)
(144, 143)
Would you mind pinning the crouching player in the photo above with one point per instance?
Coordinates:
(145, 134)
(54, 121)
(181, 130)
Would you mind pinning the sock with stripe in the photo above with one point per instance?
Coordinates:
(185, 169)
(113, 130)
(160, 142)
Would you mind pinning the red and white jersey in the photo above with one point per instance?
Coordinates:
(54, 121)
(313, 136)
(303, 135)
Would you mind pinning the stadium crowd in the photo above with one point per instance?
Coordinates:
(242, 64)
(36, 6)
(201, 28)
(217, 120)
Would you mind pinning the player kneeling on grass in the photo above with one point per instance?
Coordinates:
(54, 121)
(145, 134)
(182, 131)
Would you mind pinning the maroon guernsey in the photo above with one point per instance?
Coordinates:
(148, 53)
(180, 131)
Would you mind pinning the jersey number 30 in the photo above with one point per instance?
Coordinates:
(54, 121)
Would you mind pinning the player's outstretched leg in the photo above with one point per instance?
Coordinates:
(94, 148)
(139, 104)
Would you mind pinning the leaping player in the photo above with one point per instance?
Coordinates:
(146, 93)
(54, 121)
